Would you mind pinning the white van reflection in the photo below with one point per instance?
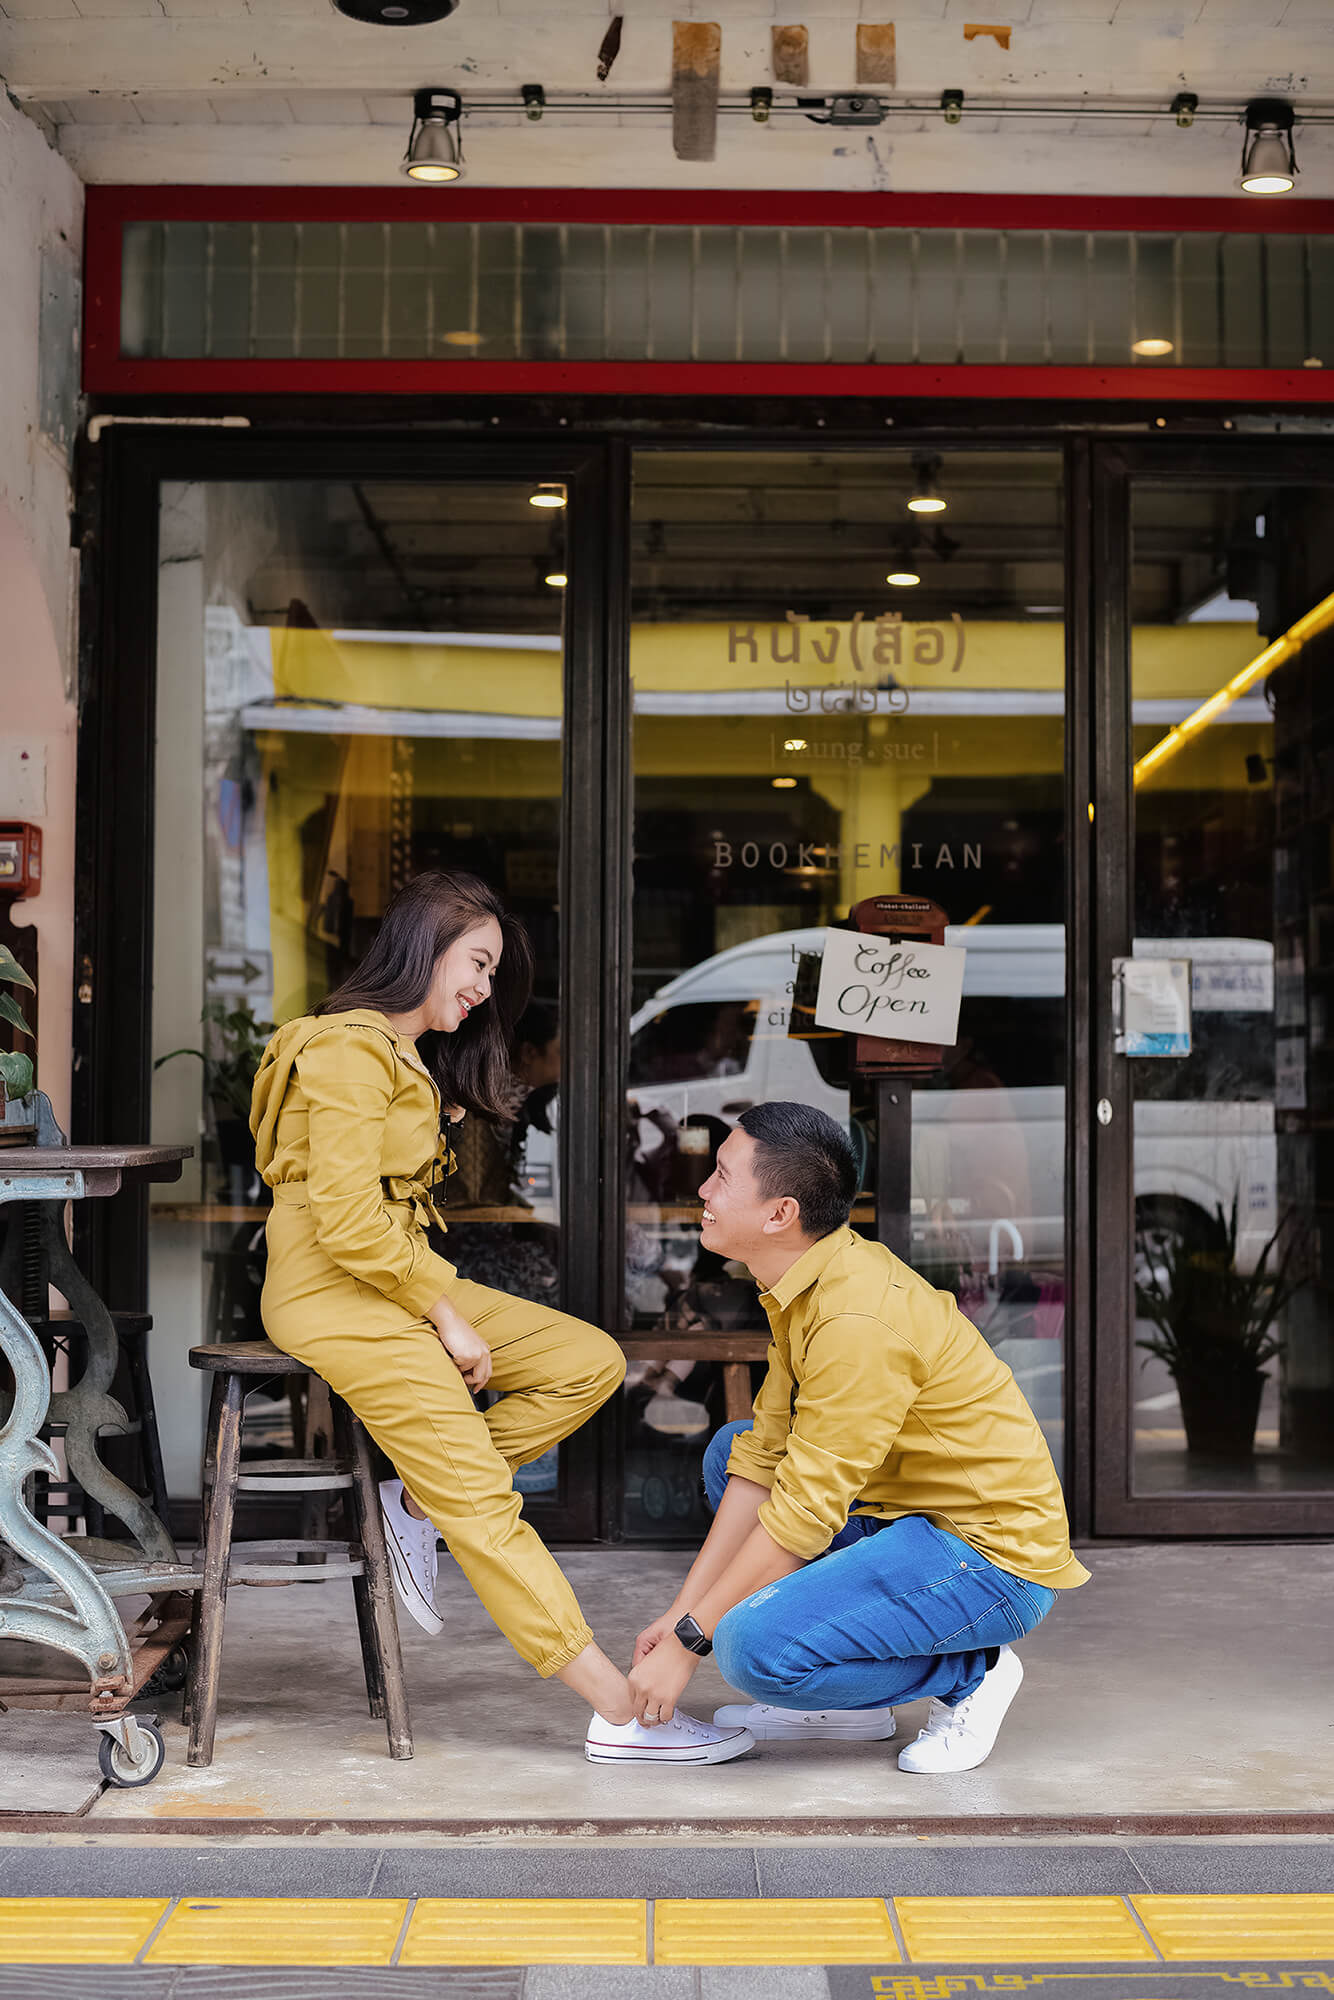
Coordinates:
(988, 1167)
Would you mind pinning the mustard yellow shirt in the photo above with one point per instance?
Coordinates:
(346, 1105)
(882, 1398)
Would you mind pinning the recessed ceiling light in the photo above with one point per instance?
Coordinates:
(1151, 347)
(461, 337)
(547, 496)
(795, 743)
(557, 579)
(925, 499)
(784, 784)
(903, 578)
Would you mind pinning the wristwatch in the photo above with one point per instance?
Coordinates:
(688, 1632)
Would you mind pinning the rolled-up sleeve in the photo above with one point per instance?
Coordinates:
(860, 1380)
(347, 1079)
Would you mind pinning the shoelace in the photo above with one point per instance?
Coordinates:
(944, 1721)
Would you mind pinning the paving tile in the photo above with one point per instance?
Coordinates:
(1211, 1867)
(566, 1930)
(921, 1869)
(1240, 1927)
(288, 1868)
(784, 1931)
(609, 1982)
(64, 1930)
(88, 1983)
(769, 1982)
(1020, 1929)
(572, 1871)
(260, 1931)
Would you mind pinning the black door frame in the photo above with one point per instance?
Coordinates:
(1116, 1509)
(114, 913)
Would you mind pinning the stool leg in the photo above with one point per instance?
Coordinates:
(376, 1616)
(345, 1447)
(208, 1470)
(206, 1654)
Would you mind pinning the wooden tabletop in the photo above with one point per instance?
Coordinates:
(104, 1168)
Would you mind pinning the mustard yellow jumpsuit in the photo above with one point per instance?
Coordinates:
(347, 1124)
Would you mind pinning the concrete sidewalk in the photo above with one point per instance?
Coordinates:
(1183, 1680)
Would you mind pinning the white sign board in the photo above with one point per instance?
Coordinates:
(1155, 1006)
(904, 992)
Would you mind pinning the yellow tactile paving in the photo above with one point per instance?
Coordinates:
(773, 1930)
(1035, 1929)
(76, 1930)
(1239, 1927)
(558, 1930)
(280, 1930)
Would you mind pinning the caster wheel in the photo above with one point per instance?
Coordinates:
(126, 1770)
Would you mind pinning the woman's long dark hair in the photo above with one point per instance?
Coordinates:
(427, 916)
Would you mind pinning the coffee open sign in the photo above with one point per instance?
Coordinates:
(901, 992)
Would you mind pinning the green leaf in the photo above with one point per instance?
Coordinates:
(15, 1074)
(11, 971)
(9, 1011)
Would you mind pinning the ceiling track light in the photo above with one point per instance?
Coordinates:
(1268, 159)
(435, 143)
(925, 497)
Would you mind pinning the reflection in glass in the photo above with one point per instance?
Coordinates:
(805, 737)
(1233, 1375)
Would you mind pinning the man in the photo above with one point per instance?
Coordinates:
(891, 1519)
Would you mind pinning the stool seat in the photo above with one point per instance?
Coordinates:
(238, 1367)
(246, 1357)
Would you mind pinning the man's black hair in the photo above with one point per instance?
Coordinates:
(801, 1152)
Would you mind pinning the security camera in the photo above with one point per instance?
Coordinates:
(396, 13)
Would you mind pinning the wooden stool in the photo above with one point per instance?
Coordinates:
(237, 1367)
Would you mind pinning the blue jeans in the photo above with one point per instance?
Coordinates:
(891, 1612)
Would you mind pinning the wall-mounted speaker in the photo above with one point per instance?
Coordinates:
(396, 13)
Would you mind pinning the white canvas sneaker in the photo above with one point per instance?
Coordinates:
(412, 1557)
(682, 1740)
(801, 1725)
(960, 1738)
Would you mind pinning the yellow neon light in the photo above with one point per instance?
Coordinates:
(1283, 649)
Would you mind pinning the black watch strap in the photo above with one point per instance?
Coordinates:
(688, 1632)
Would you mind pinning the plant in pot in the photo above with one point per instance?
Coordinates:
(16, 1073)
(1214, 1327)
(235, 1042)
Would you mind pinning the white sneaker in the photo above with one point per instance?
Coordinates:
(960, 1738)
(412, 1557)
(800, 1725)
(683, 1740)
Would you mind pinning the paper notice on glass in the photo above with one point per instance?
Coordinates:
(906, 992)
(1154, 1006)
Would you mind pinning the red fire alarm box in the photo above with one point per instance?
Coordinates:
(900, 920)
(20, 858)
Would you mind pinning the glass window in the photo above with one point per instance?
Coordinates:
(1233, 1356)
(356, 681)
(806, 734)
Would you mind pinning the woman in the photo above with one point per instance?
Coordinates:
(347, 1117)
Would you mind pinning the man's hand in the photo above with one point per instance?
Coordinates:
(462, 1342)
(660, 1678)
(654, 1634)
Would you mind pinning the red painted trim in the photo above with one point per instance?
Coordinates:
(707, 378)
(108, 209)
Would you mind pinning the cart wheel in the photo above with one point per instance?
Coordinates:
(126, 1770)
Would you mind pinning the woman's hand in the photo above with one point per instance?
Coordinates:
(462, 1342)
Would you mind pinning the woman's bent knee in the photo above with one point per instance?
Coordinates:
(744, 1649)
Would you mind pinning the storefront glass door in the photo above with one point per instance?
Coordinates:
(837, 695)
(357, 679)
(1218, 1345)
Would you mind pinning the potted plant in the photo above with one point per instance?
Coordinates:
(236, 1042)
(1214, 1327)
(16, 1074)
